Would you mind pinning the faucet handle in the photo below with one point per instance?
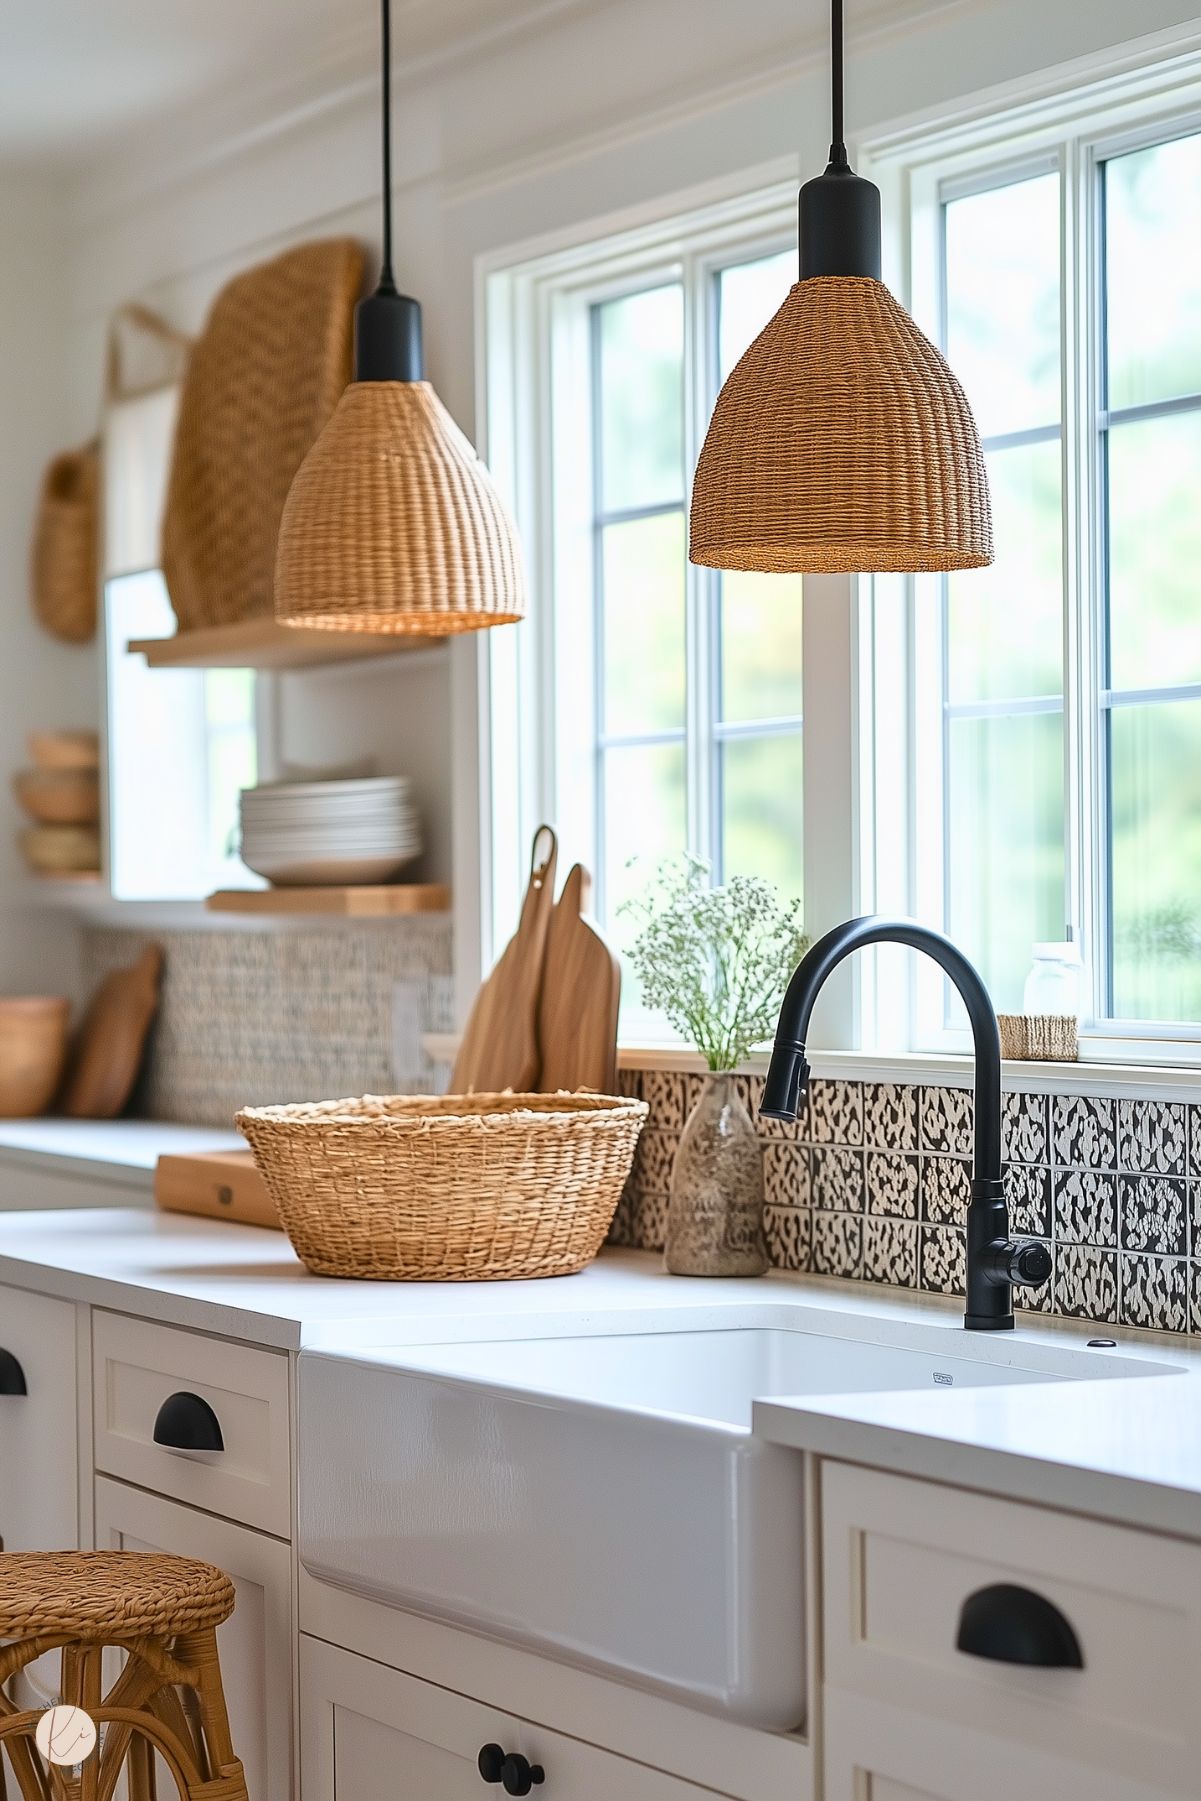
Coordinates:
(1026, 1262)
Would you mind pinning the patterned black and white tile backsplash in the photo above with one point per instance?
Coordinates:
(871, 1183)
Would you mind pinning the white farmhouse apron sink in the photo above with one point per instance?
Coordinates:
(600, 1498)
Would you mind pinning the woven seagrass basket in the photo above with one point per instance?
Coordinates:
(262, 380)
(66, 545)
(450, 1188)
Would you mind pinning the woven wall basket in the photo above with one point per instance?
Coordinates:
(262, 381)
(456, 1188)
(66, 545)
(841, 442)
(394, 525)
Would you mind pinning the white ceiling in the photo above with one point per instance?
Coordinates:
(79, 75)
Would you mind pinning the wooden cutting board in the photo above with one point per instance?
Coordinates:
(499, 1048)
(581, 994)
(215, 1185)
(107, 1054)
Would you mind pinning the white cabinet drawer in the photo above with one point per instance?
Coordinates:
(39, 1443)
(878, 1753)
(369, 1733)
(149, 1376)
(901, 1558)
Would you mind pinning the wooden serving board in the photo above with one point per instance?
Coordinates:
(581, 994)
(215, 1185)
(107, 1054)
(499, 1048)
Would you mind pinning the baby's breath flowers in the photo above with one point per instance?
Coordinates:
(716, 961)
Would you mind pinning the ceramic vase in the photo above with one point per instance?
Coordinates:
(715, 1220)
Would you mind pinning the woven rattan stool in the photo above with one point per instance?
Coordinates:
(162, 1613)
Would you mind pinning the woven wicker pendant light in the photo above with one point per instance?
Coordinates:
(392, 523)
(841, 440)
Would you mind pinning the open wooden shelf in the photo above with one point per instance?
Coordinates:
(262, 644)
(393, 901)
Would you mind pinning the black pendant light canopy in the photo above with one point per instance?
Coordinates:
(841, 441)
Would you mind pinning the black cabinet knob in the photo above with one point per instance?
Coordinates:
(12, 1376)
(186, 1422)
(519, 1776)
(1009, 1624)
(490, 1762)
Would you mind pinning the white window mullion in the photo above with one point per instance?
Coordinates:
(1084, 487)
(700, 585)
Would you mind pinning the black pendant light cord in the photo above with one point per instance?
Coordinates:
(387, 325)
(839, 223)
(838, 149)
(387, 280)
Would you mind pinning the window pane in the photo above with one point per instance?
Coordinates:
(1155, 551)
(641, 398)
(232, 754)
(1002, 250)
(748, 295)
(643, 607)
(1005, 624)
(760, 647)
(1155, 756)
(759, 637)
(644, 816)
(761, 809)
(1005, 855)
(1153, 272)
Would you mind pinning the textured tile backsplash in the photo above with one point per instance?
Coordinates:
(871, 1183)
(251, 1017)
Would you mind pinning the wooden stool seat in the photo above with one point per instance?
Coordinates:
(158, 1706)
(104, 1596)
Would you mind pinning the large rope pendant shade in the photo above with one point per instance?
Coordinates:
(841, 441)
(392, 522)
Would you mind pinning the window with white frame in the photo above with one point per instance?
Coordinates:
(181, 743)
(668, 697)
(1055, 779)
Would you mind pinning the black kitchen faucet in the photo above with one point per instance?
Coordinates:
(996, 1263)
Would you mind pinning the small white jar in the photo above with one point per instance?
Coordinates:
(1053, 985)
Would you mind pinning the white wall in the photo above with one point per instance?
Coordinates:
(600, 106)
(42, 682)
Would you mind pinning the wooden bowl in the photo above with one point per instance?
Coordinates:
(33, 1053)
(65, 750)
(59, 796)
(61, 849)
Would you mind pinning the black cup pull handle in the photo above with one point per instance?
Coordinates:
(520, 1776)
(12, 1376)
(186, 1422)
(1009, 1624)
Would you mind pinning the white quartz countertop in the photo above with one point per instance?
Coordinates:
(1128, 1450)
(246, 1282)
(107, 1150)
(1122, 1450)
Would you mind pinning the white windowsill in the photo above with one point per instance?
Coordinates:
(1128, 1081)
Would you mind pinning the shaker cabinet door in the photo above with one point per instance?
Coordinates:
(255, 1643)
(39, 1443)
(369, 1733)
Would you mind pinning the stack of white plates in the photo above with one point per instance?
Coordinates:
(330, 833)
